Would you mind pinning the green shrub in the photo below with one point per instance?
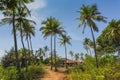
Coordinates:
(87, 71)
(9, 73)
(32, 72)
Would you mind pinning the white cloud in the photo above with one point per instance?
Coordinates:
(2, 53)
(38, 4)
(35, 8)
(1, 16)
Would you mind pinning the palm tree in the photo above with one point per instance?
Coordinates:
(57, 30)
(22, 25)
(46, 48)
(40, 53)
(63, 41)
(71, 54)
(87, 45)
(77, 56)
(88, 16)
(28, 32)
(10, 7)
(52, 28)
(46, 31)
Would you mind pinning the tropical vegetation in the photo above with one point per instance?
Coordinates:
(101, 61)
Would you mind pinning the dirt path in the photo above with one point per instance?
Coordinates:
(52, 75)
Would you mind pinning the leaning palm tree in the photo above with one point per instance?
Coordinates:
(22, 23)
(88, 16)
(9, 7)
(63, 41)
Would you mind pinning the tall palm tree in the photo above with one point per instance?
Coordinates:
(46, 31)
(10, 10)
(63, 41)
(9, 6)
(28, 32)
(88, 16)
(71, 54)
(52, 28)
(57, 30)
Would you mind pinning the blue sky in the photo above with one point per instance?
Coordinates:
(65, 12)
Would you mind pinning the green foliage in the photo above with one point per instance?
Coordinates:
(110, 37)
(33, 71)
(10, 73)
(108, 70)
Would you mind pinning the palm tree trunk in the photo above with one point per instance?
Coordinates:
(96, 58)
(66, 56)
(30, 43)
(55, 51)
(51, 54)
(23, 49)
(15, 42)
(28, 48)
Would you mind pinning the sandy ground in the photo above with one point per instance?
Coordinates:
(52, 75)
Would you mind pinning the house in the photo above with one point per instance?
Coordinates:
(69, 62)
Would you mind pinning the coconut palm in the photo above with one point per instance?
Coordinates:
(88, 16)
(22, 24)
(63, 41)
(87, 45)
(71, 54)
(10, 9)
(52, 28)
(46, 49)
(57, 30)
(77, 56)
(28, 33)
(46, 31)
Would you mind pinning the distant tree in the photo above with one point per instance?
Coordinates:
(87, 45)
(63, 41)
(71, 54)
(46, 49)
(77, 56)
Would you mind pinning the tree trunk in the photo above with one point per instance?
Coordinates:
(15, 43)
(66, 56)
(51, 54)
(96, 58)
(30, 43)
(23, 48)
(55, 51)
(28, 49)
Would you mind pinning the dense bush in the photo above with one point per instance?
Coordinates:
(33, 72)
(108, 70)
(10, 73)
